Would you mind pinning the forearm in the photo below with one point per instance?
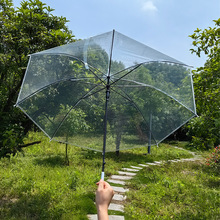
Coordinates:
(102, 213)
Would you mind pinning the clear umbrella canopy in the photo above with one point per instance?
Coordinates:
(150, 95)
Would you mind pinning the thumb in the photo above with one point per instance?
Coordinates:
(101, 184)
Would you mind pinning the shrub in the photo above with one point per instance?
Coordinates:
(214, 159)
(203, 131)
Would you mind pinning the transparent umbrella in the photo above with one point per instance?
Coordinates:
(111, 89)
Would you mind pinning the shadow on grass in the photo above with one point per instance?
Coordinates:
(41, 206)
(52, 161)
(209, 174)
(134, 141)
(212, 182)
(122, 157)
(31, 207)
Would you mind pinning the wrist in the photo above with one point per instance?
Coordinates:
(102, 212)
(102, 208)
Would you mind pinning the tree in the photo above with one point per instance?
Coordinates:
(30, 28)
(205, 129)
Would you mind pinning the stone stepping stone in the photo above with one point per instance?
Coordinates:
(143, 165)
(137, 167)
(192, 160)
(126, 173)
(116, 181)
(119, 189)
(118, 177)
(189, 159)
(116, 207)
(111, 217)
(158, 162)
(151, 163)
(129, 169)
(173, 161)
(119, 197)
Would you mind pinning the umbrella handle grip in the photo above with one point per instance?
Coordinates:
(103, 175)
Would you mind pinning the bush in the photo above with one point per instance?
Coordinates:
(10, 140)
(214, 159)
(204, 132)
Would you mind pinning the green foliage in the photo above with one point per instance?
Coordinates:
(207, 41)
(10, 139)
(203, 132)
(206, 128)
(30, 28)
(11, 136)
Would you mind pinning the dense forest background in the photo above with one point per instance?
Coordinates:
(32, 27)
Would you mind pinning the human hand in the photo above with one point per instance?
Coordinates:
(104, 196)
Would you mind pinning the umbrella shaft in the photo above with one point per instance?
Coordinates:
(106, 106)
(105, 123)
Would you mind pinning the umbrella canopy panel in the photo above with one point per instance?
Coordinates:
(64, 93)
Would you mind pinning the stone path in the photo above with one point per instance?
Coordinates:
(127, 174)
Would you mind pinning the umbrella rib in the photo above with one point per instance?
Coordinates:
(60, 124)
(68, 55)
(178, 128)
(134, 66)
(86, 96)
(96, 74)
(150, 86)
(148, 62)
(76, 103)
(136, 106)
(126, 74)
(53, 83)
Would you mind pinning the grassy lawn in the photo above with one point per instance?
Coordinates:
(183, 190)
(38, 184)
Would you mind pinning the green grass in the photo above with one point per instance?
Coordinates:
(184, 190)
(38, 184)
